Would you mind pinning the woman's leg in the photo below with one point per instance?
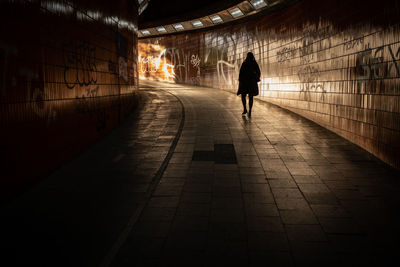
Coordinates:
(244, 103)
(250, 104)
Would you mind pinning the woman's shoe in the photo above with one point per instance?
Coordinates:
(244, 112)
(249, 114)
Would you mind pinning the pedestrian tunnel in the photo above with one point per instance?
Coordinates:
(335, 63)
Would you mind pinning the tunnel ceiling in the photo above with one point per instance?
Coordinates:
(205, 16)
(160, 12)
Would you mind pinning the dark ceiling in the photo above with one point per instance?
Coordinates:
(161, 12)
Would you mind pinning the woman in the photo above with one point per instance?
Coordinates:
(249, 76)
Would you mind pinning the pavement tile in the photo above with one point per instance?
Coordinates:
(267, 241)
(157, 214)
(164, 202)
(264, 224)
(307, 233)
(152, 229)
(301, 216)
(286, 193)
(340, 226)
(314, 254)
(190, 197)
(227, 232)
(271, 258)
(227, 216)
(188, 223)
(227, 203)
(193, 209)
(282, 183)
(265, 197)
(255, 209)
(168, 190)
(255, 188)
(333, 211)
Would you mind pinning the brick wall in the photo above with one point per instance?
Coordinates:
(334, 62)
(68, 76)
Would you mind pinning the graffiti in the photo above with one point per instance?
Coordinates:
(123, 68)
(79, 64)
(180, 64)
(227, 71)
(306, 50)
(121, 44)
(350, 43)
(372, 64)
(308, 77)
(89, 103)
(36, 95)
(286, 54)
(195, 60)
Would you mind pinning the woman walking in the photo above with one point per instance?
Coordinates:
(249, 76)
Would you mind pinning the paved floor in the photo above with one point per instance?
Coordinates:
(188, 181)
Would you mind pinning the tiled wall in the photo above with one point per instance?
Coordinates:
(334, 62)
(68, 76)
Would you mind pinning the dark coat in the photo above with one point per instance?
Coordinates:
(248, 77)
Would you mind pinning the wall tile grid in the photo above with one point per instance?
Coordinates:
(336, 63)
(68, 76)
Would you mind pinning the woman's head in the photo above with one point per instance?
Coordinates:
(250, 56)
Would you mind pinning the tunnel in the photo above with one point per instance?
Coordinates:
(129, 136)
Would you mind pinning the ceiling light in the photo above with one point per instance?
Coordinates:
(197, 23)
(216, 19)
(145, 32)
(236, 12)
(161, 29)
(178, 27)
(258, 3)
(141, 9)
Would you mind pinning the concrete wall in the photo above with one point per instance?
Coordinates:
(68, 74)
(334, 62)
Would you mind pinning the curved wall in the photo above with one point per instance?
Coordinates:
(68, 76)
(334, 62)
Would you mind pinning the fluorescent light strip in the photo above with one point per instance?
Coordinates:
(216, 19)
(145, 32)
(197, 23)
(179, 27)
(141, 9)
(258, 3)
(161, 29)
(236, 12)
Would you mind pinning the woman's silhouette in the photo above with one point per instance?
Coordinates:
(249, 76)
